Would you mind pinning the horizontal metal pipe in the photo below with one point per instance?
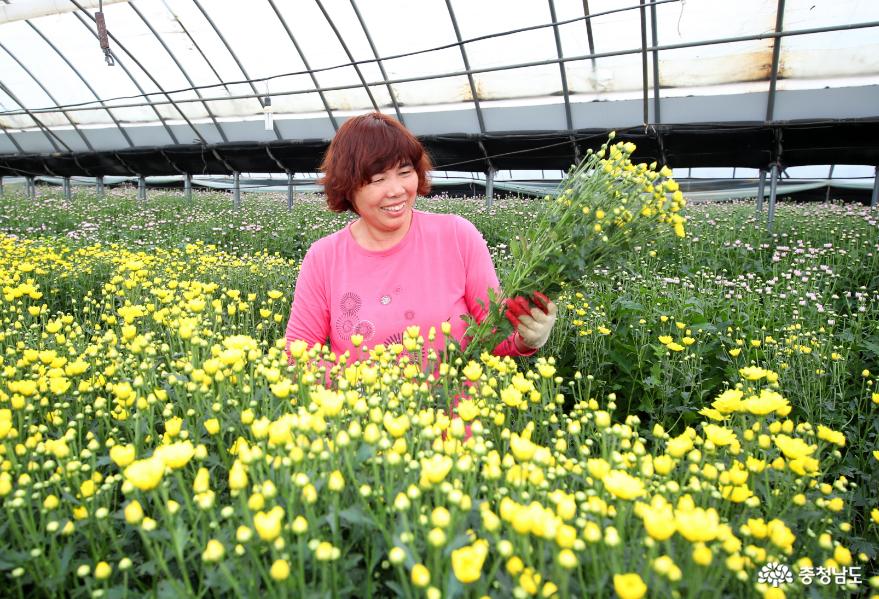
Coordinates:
(462, 73)
(309, 71)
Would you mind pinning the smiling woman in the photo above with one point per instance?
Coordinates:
(395, 268)
(385, 207)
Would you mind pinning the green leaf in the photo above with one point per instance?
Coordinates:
(356, 516)
(395, 586)
(459, 541)
(870, 346)
(454, 588)
(168, 589)
(365, 452)
(147, 569)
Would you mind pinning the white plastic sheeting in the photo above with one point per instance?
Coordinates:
(234, 53)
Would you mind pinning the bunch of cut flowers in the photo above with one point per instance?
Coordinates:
(606, 206)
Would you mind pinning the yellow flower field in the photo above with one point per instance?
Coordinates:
(155, 439)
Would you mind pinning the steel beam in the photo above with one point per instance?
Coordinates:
(79, 165)
(562, 70)
(180, 68)
(46, 167)
(772, 184)
(121, 161)
(829, 182)
(761, 186)
(473, 91)
(488, 165)
(350, 56)
(48, 133)
(145, 72)
(569, 120)
(187, 187)
(65, 188)
(235, 58)
(99, 186)
(644, 86)
(874, 199)
(657, 118)
(228, 166)
(289, 190)
(589, 37)
(141, 188)
(489, 187)
(39, 83)
(195, 45)
(9, 136)
(236, 189)
(311, 72)
(88, 86)
(31, 187)
(275, 160)
(776, 53)
(378, 61)
(136, 84)
(167, 158)
(1, 186)
(469, 71)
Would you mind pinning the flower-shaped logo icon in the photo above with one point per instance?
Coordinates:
(775, 574)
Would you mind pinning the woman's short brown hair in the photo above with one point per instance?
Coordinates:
(364, 146)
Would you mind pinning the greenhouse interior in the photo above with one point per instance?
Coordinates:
(328, 298)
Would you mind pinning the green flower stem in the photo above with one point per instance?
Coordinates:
(157, 555)
(300, 566)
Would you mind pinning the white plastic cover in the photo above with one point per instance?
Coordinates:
(234, 53)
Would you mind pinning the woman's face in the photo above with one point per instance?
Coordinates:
(385, 202)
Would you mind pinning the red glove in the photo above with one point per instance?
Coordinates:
(516, 307)
(519, 306)
(541, 301)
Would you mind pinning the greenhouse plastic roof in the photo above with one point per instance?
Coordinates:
(488, 84)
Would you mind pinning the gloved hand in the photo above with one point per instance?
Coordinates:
(533, 324)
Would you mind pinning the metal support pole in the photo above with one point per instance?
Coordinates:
(761, 186)
(187, 187)
(99, 186)
(289, 190)
(776, 54)
(829, 183)
(657, 118)
(31, 188)
(141, 188)
(65, 187)
(489, 187)
(236, 189)
(644, 64)
(874, 200)
(772, 183)
(1, 186)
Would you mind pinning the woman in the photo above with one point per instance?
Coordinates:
(394, 267)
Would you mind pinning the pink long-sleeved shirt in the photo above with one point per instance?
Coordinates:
(439, 271)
